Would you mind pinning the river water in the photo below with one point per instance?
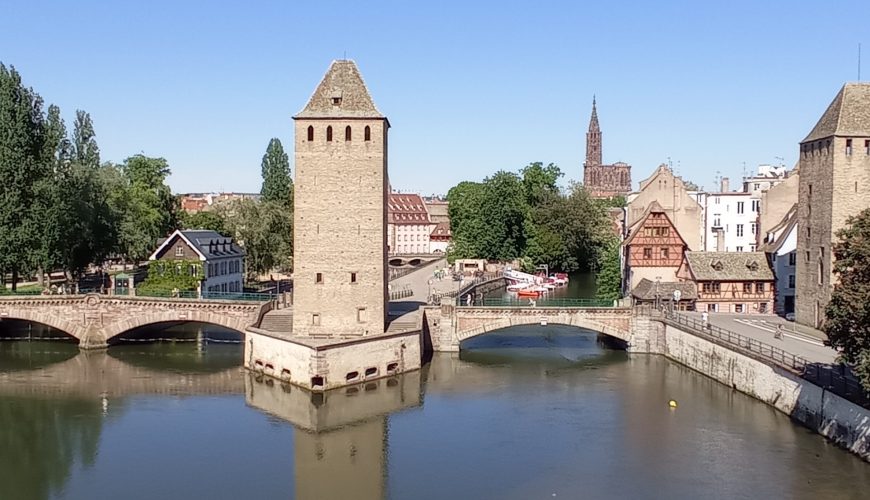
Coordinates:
(523, 413)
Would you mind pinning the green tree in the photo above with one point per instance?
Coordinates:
(464, 208)
(609, 276)
(150, 210)
(22, 169)
(277, 184)
(265, 230)
(848, 312)
(539, 182)
(49, 207)
(208, 219)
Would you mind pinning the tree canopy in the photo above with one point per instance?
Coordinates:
(848, 312)
(526, 216)
(277, 184)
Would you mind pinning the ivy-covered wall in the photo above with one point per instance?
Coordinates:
(168, 275)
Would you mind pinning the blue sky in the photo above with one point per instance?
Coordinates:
(469, 87)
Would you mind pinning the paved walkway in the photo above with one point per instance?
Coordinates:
(798, 340)
(422, 283)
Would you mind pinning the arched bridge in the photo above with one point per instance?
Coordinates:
(457, 324)
(95, 319)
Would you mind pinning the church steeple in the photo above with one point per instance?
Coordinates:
(593, 139)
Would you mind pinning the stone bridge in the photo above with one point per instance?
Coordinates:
(450, 326)
(96, 319)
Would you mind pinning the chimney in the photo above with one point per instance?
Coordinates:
(725, 185)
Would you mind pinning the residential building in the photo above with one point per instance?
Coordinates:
(731, 221)
(603, 181)
(657, 293)
(440, 238)
(766, 177)
(340, 220)
(777, 202)
(834, 185)
(197, 202)
(222, 260)
(408, 224)
(780, 245)
(438, 209)
(734, 282)
(672, 196)
(653, 249)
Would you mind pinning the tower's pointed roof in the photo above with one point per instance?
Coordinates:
(593, 122)
(341, 94)
(848, 114)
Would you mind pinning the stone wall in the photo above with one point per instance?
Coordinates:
(844, 423)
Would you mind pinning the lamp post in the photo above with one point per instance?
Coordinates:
(658, 280)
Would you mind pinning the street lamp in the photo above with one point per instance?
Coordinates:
(658, 279)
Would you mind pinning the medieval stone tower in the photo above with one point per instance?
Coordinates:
(340, 228)
(834, 184)
(603, 181)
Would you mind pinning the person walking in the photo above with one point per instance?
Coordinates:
(705, 320)
(778, 333)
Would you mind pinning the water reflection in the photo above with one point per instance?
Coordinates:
(340, 438)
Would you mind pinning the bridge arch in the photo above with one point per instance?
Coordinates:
(472, 323)
(235, 323)
(47, 318)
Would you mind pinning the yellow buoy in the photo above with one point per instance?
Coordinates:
(672, 403)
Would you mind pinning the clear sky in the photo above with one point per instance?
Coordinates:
(469, 87)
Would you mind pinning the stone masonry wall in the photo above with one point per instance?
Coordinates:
(340, 228)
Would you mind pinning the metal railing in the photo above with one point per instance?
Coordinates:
(740, 343)
(192, 294)
(544, 302)
(840, 380)
(401, 294)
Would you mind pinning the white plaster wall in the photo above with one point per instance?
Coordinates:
(726, 208)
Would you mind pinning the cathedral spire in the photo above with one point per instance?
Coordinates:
(593, 139)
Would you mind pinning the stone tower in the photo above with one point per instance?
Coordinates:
(593, 140)
(834, 184)
(340, 222)
(602, 181)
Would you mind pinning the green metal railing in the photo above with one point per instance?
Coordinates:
(544, 302)
(191, 294)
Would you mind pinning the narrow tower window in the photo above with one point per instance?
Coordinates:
(310, 133)
(368, 133)
(329, 133)
(848, 147)
(347, 133)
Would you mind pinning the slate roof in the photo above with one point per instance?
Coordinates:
(646, 290)
(782, 230)
(441, 231)
(209, 244)
(848, 114)
(341, 94)
(729, 266)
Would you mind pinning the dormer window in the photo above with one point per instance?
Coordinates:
(336, 98)
(717, 265)
(753, 266)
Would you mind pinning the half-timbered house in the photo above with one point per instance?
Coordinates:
(653, 249)
(735, 282)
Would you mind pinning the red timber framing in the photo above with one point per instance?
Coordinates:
(655, 242)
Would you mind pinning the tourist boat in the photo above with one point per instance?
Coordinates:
(532, 291)
(560, 278)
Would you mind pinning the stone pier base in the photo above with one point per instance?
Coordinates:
(323, 364)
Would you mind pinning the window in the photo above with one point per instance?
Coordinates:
(361, 315)
(716, 200)
(739, 207)
(753, 227)
(791, 280)
(867, 147)
(759, 287)
(738, 249)
(757, 186)
(712, 307)
(848, 147)
(329, 133)
(665, 252)
(810, 190)
(179, 251)
(756, 204)
(808, 255)
(353, 277)
(310, 133)
(792, 258)
(710, 287)
(752, 248)
(821, 272)
(717, 222)
(368, 133)
(647, 253)
(315, 319)
(809, 233)
(738, 308)
(739, 230)
(762, 307)
(318, 278)
(747, 287)
(347, 133)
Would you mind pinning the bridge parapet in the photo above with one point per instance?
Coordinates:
(95, 319)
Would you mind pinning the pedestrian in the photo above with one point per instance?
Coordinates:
(705, 319)
(468, 300)
(778, 333)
